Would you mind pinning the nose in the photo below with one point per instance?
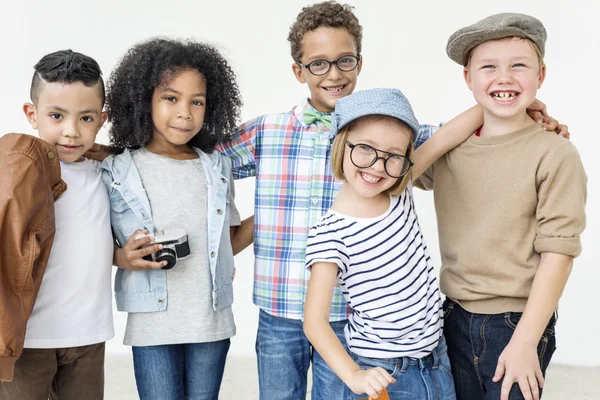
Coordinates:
(379, 165)
(504, 76)
(184, 111)
(70, 129)
(334, 73)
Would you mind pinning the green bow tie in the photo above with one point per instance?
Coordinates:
(311, 116)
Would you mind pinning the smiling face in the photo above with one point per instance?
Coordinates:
(327, 44)
(504, 76)
(68, 116)
(178, 108)
(386, 134)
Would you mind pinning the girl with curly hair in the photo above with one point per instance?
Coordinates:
(169, 103)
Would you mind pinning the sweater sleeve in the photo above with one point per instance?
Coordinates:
(562, 193)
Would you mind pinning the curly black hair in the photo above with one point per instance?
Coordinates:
(149, 64)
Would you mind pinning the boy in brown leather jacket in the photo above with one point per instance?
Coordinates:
(55, 252)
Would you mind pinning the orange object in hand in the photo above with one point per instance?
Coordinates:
(383, 396)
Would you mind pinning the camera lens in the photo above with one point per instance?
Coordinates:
(167, 255)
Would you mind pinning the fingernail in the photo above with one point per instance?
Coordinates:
(160, 246)
(545, 128)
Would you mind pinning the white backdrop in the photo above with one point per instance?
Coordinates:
(404, 47)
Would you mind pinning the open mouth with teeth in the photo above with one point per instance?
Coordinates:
(335, 89)
(504, 96)
(372, 179)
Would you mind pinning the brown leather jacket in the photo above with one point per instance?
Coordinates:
(29, 184)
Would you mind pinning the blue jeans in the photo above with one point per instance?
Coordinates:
(475, 342)
(427, 378)
(180, 371)
(284, 355)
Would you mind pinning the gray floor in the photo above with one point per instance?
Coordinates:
(240, 381)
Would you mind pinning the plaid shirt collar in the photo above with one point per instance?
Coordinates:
(301, 108)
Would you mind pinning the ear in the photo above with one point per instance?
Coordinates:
(101, 121)
(467, 77)
(359, 68)
(542, 76)
(31, 114)
(298, 73)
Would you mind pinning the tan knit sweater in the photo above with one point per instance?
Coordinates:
(500, 202)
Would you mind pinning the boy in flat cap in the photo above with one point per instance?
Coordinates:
(523, 192)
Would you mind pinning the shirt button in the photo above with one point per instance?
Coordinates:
(219, 212)
(223, 180)
(212, 254)
(315, 200)
(144, 214)
(51, 155)
(161, 301)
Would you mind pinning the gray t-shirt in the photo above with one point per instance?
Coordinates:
(177, 191)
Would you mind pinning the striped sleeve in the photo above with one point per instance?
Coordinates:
(325, 244)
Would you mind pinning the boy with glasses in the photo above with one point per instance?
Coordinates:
(289, 154)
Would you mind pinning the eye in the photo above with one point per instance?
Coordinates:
(518, 65)
(87, 118)
(318, 63)
(199, 103)
(55, 116)
(489, 66)
(170, 99)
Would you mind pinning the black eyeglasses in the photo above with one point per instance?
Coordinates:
(321, 67)
(363, 156)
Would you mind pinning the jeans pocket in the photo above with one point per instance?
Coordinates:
(448, 307)
(511, 319)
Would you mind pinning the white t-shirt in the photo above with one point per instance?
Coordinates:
(386, 275)
(74, 305)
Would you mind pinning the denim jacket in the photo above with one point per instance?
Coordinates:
(146, 290)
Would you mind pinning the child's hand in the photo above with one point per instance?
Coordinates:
(537, 111)
(130, 256)
(519, 364)
(97, 152)
(370, 381)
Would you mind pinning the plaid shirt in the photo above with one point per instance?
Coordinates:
(295, 186)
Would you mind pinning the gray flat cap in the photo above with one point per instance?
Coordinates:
(494, 27)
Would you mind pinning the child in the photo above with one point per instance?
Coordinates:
(72, 317)
(370, 245)
(523, 193)
(289, 154)
(169, 102)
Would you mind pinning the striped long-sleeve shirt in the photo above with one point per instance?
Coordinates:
(386, 275)
(295, 186)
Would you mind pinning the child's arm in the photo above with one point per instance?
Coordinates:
(450, 135)
(519, 362)
(323, 338)
(242, 236)
(240, 148)
(560, 215)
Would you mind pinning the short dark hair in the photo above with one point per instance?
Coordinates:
(328, 14)
(148, 65)
(65, 66)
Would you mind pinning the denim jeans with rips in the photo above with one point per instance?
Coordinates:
(475, 342)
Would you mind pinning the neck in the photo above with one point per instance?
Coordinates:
(169, 150)
(497, 126)
(350, 203)
(320, 107)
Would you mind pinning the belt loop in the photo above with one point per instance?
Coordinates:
(404, 364)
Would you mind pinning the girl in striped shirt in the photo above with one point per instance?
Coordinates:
(370, 244)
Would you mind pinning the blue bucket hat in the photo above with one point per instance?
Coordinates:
(381, 101)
